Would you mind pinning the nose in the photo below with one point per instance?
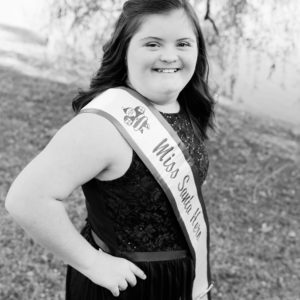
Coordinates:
(169, 55)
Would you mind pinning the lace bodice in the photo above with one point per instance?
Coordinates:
(136, 206)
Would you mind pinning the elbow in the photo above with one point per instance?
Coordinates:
(20, 211)
(9, 202)
(12, 206)
(16, 205)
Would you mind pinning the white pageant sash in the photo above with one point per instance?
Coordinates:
(164, 154)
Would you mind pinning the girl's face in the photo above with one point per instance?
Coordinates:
(162, 56)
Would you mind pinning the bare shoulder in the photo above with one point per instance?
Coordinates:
(88, 129)
(83, 148)
(90, 138)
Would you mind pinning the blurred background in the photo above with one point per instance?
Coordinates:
(254, 48)
(50, 49)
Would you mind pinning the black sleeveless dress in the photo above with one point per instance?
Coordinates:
(132, 214)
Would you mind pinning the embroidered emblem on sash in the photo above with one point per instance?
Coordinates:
(136, 118)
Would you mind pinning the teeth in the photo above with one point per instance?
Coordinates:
(166, 70)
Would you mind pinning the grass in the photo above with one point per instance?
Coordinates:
(252, 195)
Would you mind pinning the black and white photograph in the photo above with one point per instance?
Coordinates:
(150, 150)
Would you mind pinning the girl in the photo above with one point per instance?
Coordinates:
(135, 243)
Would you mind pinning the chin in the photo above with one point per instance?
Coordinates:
(169, 90)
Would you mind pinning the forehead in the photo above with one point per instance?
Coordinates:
(172, 24)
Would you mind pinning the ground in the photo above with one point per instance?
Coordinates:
(252, 194)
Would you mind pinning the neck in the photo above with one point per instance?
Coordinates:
(172, 108)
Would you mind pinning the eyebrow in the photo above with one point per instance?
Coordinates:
(159, 39)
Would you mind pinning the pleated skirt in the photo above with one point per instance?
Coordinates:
(166, 280)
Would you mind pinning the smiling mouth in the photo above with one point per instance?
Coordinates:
(166, 70)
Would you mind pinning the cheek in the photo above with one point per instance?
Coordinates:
(192, 58)
(191, 64)
(138, 64)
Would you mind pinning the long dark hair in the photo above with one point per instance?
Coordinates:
(113, 70)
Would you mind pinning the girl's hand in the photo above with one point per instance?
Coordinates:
(113, 273)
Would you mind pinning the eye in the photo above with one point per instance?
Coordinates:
(183, 44)
(152, 44)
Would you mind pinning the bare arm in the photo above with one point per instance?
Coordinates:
(82, 149)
